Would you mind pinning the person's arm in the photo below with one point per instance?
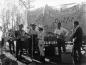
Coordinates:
(30, 32)
(55, 31)
(66, 31)
(73, 35)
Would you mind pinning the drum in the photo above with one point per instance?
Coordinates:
(50, 40)
(49, 51)
(50, 44)
(26, 42)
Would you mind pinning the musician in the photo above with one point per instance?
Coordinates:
(33, 44)
(41, 42)
(11, 41)
(61, 34)
(77, 36)
(33, 30)
(19, 35)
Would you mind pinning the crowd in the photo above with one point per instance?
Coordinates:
(34, 41)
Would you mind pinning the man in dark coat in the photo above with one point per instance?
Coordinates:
(19, 42)
(77, 36)
(34, 41)
(11, 41)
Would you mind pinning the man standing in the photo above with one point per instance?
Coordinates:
(34, 41)
(41, 43)
(77, 36)
(61, 34)
(11, 41)
(19, 35)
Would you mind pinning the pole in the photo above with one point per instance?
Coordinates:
(32, 47)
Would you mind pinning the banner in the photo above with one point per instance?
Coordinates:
(66, 17)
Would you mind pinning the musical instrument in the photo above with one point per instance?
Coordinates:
(71, 35)
(61, 36)
(50, 40)
(22, 35)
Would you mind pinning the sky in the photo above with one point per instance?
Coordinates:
(39, 3)
(7, 4)
(55, 3)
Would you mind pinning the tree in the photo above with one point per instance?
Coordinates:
(26, 3)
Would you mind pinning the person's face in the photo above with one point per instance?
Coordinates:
(20, 28)
(33, 27)
(59, 25)
(75, 25)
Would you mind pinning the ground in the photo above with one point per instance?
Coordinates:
(28, 60)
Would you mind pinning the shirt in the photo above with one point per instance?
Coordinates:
(41, 35)
(32, 32)
(61, 31)
(74, 30)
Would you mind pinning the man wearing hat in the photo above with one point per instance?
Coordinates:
(34, 43)
(77, 39)
(19, 35)
(41, 43)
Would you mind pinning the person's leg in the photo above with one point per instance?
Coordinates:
(41, 46)
(79, 54)
(17, 52)
(30, 46)
(75, 55)
(10, 46)
(59, 46)
(63, 46)
(21, 48)
(59, 50)
(33, 47)
(17, 49)
(13, 47)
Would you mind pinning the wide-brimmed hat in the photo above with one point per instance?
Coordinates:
(40, 28)
(32, 24)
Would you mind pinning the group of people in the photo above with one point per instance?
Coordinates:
(20, 35)
(37, 39)
(75, 37)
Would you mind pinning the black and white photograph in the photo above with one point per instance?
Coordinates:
(42, 32)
